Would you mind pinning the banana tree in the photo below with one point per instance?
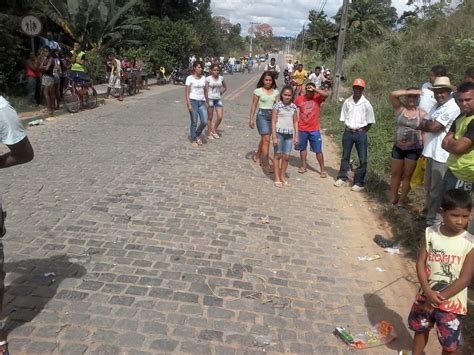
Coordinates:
(95, 23)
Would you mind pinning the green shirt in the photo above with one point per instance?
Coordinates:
(77, 66)
(265, 101)
(462, 165)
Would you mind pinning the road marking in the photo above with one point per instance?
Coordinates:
(240, 90)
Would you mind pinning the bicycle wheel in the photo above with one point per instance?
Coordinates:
(131, 88)
(90, 99)
(115, 92)
(71, 100)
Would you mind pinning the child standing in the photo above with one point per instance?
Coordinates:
(215, 88)
(447, 247)
(284, 133)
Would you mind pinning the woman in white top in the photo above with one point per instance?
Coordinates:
(196, 101)
(215, 88)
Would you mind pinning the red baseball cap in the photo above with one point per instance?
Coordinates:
(359, 82)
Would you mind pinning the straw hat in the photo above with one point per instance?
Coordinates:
(442, 82)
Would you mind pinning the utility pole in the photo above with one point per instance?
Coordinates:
(251, 35)
(340, 50)
(302, 47)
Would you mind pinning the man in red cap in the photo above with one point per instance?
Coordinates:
(358, 115)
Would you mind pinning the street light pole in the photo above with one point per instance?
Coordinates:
(340, 50)
(302, 47)
(251, 36)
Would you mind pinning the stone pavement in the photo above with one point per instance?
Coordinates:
(122, 239)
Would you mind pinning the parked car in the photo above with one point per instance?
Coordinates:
(262, 58)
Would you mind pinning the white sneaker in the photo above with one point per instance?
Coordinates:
(357, 188)
(340, 183)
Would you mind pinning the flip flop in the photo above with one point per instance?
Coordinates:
(278, 184)
(302, 170)
(324, 175)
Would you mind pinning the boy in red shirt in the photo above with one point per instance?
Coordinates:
(309, 106)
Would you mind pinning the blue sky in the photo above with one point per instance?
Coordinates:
(285, 16)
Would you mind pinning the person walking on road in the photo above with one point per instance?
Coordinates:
(284, 133)
(12, 134)
(408, 142)
(358, 116)
(196, 102)
(273, 68)
(439, 121)
(215, 88)
(115, 68)
(34, 80)
(309, 106)
(264, 96)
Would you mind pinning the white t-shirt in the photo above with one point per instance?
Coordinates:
(274, 68)
(427, 99)
(11, 129)
(444, 114)
(289, 67)
(197, 88)
(358, 114)
(316, 79)
(215, 86)
(231, 61)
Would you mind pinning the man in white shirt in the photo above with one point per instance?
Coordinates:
(289, 67)
(13, 136)
(358, 116)
(231, 64)
(273, 67)
(427, 99)
(439, 121)
(317, 77)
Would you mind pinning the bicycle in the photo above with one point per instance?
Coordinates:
(130, 82)
(79, 95)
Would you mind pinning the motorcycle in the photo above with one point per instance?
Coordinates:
(178, 76)
(287, 77)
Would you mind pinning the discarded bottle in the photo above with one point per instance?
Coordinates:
(38, 122)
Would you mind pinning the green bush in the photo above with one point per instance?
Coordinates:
(95, 66)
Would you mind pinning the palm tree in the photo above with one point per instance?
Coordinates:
(322, 34)
(368, 20)
(94, 23)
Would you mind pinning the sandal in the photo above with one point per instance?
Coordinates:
(286, 183)
(324, 175)
(199, 141)
(278, 184)
(302, 170)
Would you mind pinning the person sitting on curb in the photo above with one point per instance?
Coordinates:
(358, 116)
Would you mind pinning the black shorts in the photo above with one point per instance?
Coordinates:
(402, 154)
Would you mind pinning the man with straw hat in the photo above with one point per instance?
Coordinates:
(439, 121)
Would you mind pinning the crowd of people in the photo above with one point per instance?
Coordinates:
(434, 124)
(48, 69)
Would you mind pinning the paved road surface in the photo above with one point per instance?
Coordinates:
(124, 239)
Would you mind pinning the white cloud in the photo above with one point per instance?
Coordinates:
(287, 17)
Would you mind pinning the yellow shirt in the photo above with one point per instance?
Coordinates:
(446, 256)
(299, 76)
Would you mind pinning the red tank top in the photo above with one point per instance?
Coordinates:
(31, 72)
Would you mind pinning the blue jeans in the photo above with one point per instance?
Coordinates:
(359, 139)
(199, 112)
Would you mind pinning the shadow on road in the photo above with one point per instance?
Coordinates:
(377, 311)
(36, 282)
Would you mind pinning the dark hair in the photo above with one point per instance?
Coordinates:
(455, 198)
(465, 87)
(412, 88)
(318, 67)
(287, 87)
(439, 70)
(272, 59)
(262, 78)
(300, 64)
(469, 72)
(215, 65)
(198, 62)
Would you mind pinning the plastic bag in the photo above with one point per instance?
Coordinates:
(418, 177)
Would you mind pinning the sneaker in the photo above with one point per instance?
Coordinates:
(210, 136)
(357, 188)
(340, 183)
(216, 135)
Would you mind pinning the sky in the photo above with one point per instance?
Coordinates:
(287, 17)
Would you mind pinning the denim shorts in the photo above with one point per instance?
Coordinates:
(314, 138)
(215, 103)
(409, 154)
(264, 122)
(421, 321)
(285, 141)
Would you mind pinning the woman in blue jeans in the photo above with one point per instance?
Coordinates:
(196, 101)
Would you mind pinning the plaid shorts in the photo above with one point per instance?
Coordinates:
(448, 325)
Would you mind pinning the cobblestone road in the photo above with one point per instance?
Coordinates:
(124, 239)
